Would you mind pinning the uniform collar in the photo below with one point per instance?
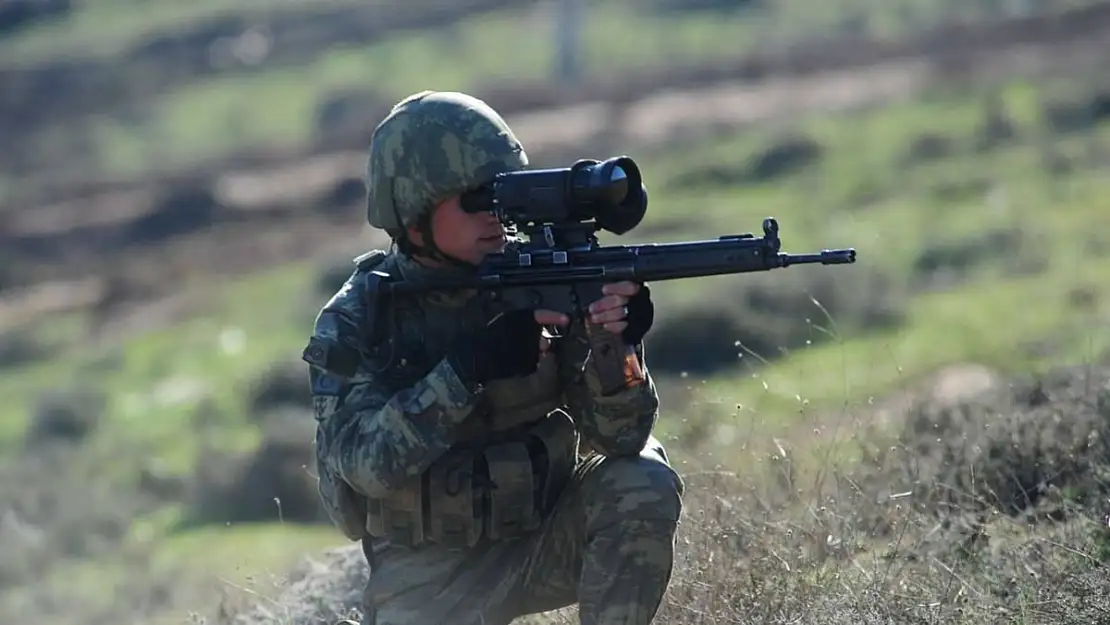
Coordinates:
(412, 271)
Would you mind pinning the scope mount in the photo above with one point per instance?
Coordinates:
(560, 235)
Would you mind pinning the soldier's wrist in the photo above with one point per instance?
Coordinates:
(465, 367)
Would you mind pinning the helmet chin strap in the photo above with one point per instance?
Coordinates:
(430, 250)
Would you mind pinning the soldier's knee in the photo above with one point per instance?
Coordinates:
(643, 487)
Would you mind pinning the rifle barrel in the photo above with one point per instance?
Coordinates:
(824, 257)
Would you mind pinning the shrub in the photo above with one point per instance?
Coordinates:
(780, 158)
(274, 483)
(768, 314)
(56, 503)
(1010, 451)
(283, 385)
(948, 261)
(17, 348)
(66, 417)
(1078, 115)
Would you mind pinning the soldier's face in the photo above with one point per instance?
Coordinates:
(466, 236)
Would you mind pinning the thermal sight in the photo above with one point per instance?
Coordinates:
(611, 193)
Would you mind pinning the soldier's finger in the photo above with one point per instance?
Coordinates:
(625, 288)
(613, 314)
(609, 302)
(550, 317)
(616, 327)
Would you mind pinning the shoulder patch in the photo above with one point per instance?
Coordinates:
(331, 356)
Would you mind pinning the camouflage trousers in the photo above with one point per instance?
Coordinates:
(608, 546)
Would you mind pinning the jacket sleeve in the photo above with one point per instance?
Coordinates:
(372, 433)
(618, 425)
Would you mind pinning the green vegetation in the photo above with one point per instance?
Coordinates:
(281, 106)
(112, 27)
(964, 237)
(284, 103)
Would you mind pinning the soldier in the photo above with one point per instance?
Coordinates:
(477, 460)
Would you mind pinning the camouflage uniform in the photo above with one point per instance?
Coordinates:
(477, 503)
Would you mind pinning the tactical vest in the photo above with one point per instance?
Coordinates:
(500, 478)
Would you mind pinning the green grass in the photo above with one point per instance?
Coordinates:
(234, 561)
(111, 27)
(276, 106)
(995, 317)
(168, 372)
(991, 324)
(237, 553)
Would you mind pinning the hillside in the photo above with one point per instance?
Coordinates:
(100, 235)
(917, 437)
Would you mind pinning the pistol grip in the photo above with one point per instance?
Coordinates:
(616, 364)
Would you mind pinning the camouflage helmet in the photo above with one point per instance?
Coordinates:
(430, 146)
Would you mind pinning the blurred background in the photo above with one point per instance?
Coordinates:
(920, 435)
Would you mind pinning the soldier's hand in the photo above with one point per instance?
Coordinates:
(610, 311)
(625, 309)
(507, 347)
(549, 318)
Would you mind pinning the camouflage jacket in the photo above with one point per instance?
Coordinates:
(386, 416)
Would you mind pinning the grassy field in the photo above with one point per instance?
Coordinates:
(112, 27)
(863, 188)
(981, 224)
(281, 104)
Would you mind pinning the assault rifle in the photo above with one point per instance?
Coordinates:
(561, 266)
